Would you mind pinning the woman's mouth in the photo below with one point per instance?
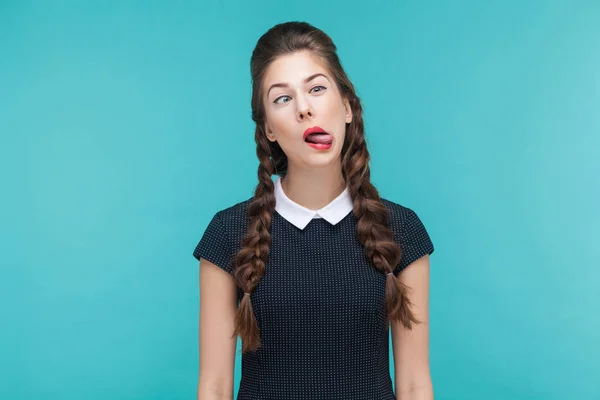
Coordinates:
(320, 141)
(319, 146)
(317, 138)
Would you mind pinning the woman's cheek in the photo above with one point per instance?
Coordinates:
(285, 121)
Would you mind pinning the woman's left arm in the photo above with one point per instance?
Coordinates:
(411, 347)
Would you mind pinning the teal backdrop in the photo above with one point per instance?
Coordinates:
(126, 125)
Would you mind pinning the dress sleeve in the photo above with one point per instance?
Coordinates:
(214, 245)
(415, 241)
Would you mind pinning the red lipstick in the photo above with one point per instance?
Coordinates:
(323, 141)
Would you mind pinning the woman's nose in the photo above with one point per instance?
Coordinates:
(305, 113)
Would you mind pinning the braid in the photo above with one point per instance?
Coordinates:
(254, 254)
(373, 225)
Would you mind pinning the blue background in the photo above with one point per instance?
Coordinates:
(126, 125)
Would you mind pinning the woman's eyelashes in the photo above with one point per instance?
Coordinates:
(289, 97)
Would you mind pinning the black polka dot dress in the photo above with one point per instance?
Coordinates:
(320, 306)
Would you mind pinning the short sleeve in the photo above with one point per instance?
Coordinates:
(214, 245)
(415, 241)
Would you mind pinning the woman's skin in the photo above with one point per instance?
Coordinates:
(314, 177)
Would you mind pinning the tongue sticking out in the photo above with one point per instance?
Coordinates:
(323, 138)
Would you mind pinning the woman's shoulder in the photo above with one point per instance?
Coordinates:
(398, 213)
(409, 232)
(235, 215)
(236, 208)
(404, 220)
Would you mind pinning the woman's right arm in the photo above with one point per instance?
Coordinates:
(218, 305)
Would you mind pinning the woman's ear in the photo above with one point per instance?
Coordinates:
(269, 133)
(348, 111)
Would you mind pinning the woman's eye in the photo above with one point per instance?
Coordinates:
(279, 98)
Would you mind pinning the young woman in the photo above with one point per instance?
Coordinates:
(313, 269)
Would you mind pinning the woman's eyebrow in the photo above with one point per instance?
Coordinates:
(285, 85)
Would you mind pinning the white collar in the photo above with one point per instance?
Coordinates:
(300, 216)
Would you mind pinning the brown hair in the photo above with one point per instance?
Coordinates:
(372, 215)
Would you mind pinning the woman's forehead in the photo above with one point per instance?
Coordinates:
(293, 68)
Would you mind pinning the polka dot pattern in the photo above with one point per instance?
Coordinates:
(320, 306)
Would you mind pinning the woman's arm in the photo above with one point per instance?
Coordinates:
(218, 304)
(411, 347)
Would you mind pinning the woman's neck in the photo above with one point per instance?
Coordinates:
(313, 189)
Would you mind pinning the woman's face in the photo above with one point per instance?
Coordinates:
(299, 93)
